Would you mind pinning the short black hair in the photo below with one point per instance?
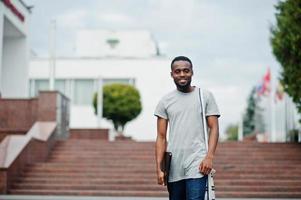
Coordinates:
(182, 58)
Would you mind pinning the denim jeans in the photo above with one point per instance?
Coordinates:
(187, 189)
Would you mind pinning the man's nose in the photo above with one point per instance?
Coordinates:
(182, 73)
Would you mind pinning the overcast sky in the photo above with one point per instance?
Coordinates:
(227, 40)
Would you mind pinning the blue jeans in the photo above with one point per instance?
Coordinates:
(187, 189)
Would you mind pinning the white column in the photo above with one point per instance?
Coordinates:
(14, 73)
(272, 136)
(1, 48)
(52, 41)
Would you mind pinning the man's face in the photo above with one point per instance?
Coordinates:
(181, 73)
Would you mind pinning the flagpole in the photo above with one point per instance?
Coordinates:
(52, 32)
(240, 128)
(272, 103)
(285, 115)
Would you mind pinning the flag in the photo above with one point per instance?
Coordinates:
(267, 82)
(264, 88)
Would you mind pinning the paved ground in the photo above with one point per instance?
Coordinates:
(28, 197)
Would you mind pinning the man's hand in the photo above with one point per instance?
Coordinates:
(160, 177)
(206, 165)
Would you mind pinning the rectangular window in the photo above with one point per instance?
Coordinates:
(83, 91)
(40, 84)
(60, 86)
(130, 81)
(43, 84)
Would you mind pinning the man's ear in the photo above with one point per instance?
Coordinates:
(171, 74)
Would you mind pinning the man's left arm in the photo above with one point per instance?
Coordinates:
(207, 163)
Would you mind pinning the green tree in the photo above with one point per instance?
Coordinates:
(249, 115)
(121, 104)
(286, 44)
(232, 132)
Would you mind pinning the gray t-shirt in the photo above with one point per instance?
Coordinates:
(186, 135)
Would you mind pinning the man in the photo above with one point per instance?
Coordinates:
(181, 109)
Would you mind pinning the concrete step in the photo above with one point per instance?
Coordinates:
(137, 180)
(219, 194)
(125, 193)
(126, 186)
(42, 177)
(150, 187)
(137, 169)
(275, 167)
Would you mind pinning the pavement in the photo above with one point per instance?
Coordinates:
(37, 197)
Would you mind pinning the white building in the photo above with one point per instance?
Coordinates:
(123, 56)
(14, 49)
(105, 43)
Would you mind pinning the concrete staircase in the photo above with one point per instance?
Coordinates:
(127, 168)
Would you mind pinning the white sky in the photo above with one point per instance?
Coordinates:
(227, 40)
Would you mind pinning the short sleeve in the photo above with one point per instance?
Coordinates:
(160, 110)
(211, 106)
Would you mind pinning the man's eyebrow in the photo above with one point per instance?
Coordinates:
(183, 68)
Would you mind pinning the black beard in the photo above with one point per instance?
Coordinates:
(183, 88)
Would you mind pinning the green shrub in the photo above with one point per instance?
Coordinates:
(121, 104)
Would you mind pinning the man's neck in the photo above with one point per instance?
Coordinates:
(186, 89)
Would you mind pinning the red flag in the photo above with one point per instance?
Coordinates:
(265, 86)
(267, 82)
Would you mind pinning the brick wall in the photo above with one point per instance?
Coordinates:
(17, 116)
(17, 113)
(47, 106)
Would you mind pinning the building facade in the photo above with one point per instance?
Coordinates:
(115, 57)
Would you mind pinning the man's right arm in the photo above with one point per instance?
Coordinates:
(161, 144)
